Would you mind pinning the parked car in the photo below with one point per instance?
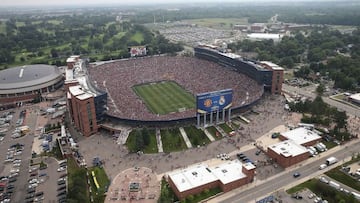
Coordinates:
(296, 174)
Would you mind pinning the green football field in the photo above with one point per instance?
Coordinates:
(165, 97)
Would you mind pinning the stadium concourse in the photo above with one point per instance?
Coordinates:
(193, 74)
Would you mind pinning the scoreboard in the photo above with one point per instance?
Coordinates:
(214, 101)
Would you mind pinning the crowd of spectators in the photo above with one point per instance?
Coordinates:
(193, 74)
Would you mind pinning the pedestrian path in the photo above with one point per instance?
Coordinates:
(221, 131)
(158, 140)
(208, 134)
(185, 137)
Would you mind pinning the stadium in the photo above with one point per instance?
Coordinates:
(162, 89)
(24, 83)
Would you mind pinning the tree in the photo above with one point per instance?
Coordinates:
(320, 89)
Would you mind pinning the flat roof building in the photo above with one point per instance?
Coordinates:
(287, 153)
(355, 98)
(301, 136)
(195, 179)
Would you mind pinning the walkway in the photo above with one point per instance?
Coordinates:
(158, 140)
(185, 137)
(208, 134)
(221, 131)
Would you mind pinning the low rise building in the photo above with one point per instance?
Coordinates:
(287, 153)
(301, 136)
(194, 180)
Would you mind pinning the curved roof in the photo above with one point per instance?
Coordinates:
(28, 78)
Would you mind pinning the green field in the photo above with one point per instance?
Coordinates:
(165, 97)
(137, 37)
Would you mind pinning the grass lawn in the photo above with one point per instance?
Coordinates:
(20, 24)
(172, 140)
(330, 144)
(226, 128)
(164, 97)
(340, 176)
(151, 148)
(103, 182)
(212, 130)
(324, 191)
(77, 183)
(137, 37)
(196, 136)
(224, 23)
(340, 96)
(55, 22)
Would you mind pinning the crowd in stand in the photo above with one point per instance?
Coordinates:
(193, 74)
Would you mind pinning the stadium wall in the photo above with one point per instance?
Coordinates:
(167, 123)
(246, 67)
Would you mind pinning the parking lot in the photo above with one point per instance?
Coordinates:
(21, 182)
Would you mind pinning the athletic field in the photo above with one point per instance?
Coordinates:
(165, 97)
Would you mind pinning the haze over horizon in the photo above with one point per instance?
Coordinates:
(6, 3)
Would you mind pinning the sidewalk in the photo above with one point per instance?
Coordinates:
(185, 137)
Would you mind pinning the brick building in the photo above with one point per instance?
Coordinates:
(301, 136)
(86, 103)
(277, 76)
(194, 180)
(287, 153)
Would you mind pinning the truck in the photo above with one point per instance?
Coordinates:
(331, 161)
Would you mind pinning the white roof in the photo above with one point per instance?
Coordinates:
(229, 171)
(192, 177)
(79, 93)
(355, 97)
(84, 96)
(231, 55)
(265, 36)
(301, 135)
(272, 65)
(288, 148)
(69, 74)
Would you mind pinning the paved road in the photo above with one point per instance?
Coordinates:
(349, 109)
(308, 169)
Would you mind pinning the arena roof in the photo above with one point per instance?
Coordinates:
(301, 135)
(27, 78)
(288, 148)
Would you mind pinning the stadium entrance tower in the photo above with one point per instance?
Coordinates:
(210, 104)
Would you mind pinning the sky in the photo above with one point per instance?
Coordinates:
(98, 2)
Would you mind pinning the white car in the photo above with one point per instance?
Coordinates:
(34, 180)
(16, 161)
(17, 165)
(34, 185)
(61, 169)
(14, 170)
(13, 175)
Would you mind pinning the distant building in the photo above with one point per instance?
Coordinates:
(86, 104)
(355, 98)
(257, 27)
(287, 153)
(301, 136)
(265, 36)
(241, 27)
(194, 180)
